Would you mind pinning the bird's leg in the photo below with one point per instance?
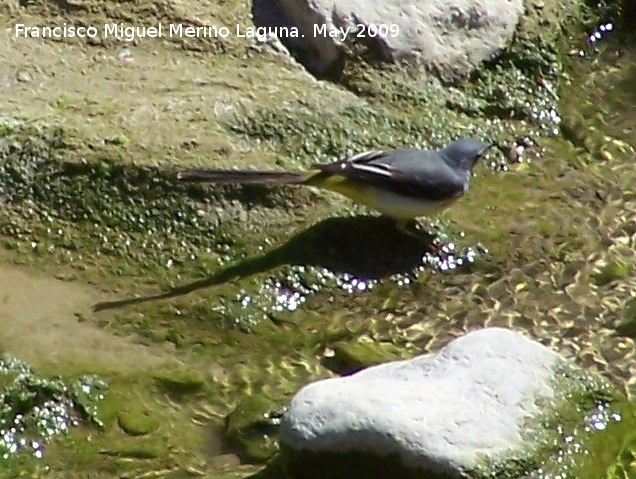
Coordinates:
(415, 230)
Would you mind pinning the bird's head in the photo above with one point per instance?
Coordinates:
(465, 152)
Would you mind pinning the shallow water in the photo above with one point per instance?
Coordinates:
(547, 245)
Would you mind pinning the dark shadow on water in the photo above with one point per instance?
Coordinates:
(345, 465)
(363, 246)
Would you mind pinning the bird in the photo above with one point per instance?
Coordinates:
(403, 184)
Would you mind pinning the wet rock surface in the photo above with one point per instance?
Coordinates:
(473, 403)
(543, 243)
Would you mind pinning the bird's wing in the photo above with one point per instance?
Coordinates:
(414, 173)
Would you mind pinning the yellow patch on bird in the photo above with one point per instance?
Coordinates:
(348, 188)
(386, 202)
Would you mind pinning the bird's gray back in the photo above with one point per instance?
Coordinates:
(411, 172)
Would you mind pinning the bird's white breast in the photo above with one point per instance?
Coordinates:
(403, 207)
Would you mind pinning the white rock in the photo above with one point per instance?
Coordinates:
(451, 36)
(445, 411)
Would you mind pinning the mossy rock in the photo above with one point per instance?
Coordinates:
(135, 450)
(137, 422)
(180, 381)
(625, 467)
(612, 271)
(251, 427)
(352, 356)
(627, 326)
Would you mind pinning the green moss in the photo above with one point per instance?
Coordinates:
(150, 450)
(251, 428)
(119, 140)
(62, 103)
(627, 326)
(610, 449)
(180, 381)
(285, 274)
(612, 271)
(137, 422)
(351, 356)
(36, 409)
(585, 404)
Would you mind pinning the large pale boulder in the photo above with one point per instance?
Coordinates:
(445, 412)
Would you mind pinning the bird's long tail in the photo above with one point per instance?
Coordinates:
(244, 176)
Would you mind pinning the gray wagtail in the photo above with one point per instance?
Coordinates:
(402, 184)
